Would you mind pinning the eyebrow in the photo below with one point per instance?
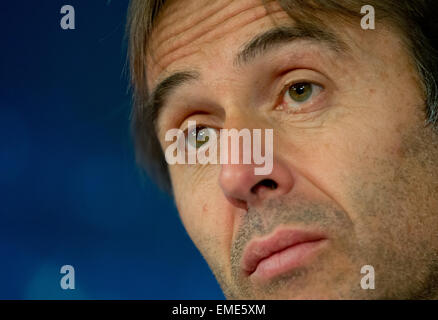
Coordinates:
(258, 46)
(281, 35)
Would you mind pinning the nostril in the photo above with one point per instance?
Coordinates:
(268, 183)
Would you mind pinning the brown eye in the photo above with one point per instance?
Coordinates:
(300, 92)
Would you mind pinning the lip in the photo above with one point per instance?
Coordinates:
(286, 249)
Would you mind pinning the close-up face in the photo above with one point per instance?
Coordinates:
(354, 168)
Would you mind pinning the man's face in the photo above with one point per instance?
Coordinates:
(354, 179)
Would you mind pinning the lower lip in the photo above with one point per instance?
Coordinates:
(286, 260)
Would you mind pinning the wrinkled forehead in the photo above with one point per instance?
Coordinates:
(185, 28)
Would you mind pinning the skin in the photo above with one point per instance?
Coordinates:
(357, 164)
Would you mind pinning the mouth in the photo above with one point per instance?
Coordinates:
(285, 250)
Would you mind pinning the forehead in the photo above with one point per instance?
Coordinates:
(187, 30)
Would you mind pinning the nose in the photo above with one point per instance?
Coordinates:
(243, 188)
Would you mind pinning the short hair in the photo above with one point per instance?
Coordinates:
(415, 21)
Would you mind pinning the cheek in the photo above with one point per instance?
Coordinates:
(368, 157)
(359, 143)
(204, 211)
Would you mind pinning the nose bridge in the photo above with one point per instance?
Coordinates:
(237, 142)
(256, 173)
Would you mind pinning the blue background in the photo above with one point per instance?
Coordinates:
(71, 192)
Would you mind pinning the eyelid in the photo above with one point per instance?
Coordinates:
(202, 118)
